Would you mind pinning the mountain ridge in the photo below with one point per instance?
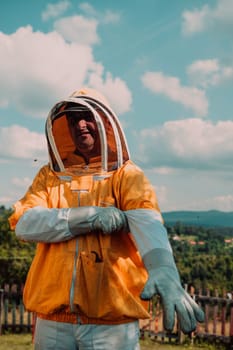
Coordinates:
(209, 218)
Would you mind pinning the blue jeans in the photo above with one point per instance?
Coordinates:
(51, 335)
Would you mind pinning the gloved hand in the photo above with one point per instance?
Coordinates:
(83, 220)
(165, 281)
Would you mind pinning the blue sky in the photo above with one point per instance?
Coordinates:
(165, 66)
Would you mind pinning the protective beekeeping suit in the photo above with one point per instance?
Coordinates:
(102, 248)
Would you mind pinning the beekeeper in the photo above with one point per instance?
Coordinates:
(102, 250)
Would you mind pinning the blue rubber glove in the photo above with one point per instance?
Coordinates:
(165, 281)
(84, 220)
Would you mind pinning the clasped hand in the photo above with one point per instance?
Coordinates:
(109, 220)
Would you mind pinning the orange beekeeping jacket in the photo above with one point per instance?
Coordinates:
(97, 277)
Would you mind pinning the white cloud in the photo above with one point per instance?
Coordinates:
(55, 10)
(205, 66)
(222, 203)
(3, 102)
(110, 17)
(218, 16)
(223, 12)
(88, 9)
(161, 193)
(171, 87)
(209, 72)
(120, 102)
(194, 21)
(191, 143)
(105, 17)
(162, 170)
(47, 69)
(6, 200)
(78, 29)
(21, 182)
(4, 161)
(19, 142)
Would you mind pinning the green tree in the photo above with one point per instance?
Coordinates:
(15, 255)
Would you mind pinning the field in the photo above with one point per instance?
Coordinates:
(24, 342)
(16, 342)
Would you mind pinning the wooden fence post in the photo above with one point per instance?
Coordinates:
(231, 324)
(207, 314)
(223, 315)
(215, 313)
(1, 308)
(6, 304)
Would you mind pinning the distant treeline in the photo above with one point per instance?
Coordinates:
(204, 256)
(15, 255)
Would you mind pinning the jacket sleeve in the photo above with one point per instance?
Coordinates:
(33, 220)
(140, 205)
(44, 225)
(148, 230)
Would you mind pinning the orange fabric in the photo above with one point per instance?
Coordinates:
(64, 141)
(107, 291)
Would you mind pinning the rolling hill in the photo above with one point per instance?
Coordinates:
(211, 218)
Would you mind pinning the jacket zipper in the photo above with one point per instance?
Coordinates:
(75, 259)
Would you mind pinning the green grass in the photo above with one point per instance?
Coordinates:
(149, 344)
(24, 342)
(16, 342)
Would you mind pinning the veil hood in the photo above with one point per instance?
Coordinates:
(113, 145)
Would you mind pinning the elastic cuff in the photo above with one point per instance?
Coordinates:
(158, 257)
(78, 221)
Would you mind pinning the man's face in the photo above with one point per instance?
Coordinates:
(83, 131)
